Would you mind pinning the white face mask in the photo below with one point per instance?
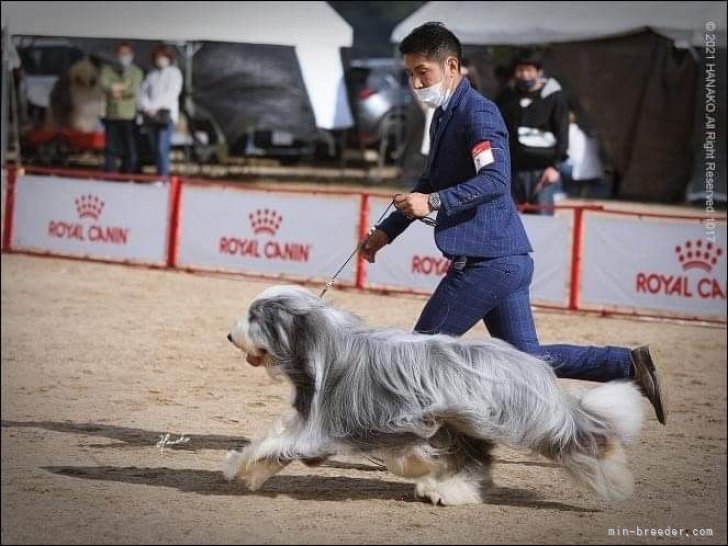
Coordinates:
(126, 59)
(162, 62)
(434, 95)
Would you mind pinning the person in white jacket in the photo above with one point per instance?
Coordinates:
(159, 102)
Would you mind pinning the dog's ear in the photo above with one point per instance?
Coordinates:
(301, 368)
(273, 322)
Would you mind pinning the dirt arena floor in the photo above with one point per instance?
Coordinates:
(100, 361)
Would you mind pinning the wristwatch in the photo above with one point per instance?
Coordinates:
(433, 200)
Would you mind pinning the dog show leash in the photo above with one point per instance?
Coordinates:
(425, 220)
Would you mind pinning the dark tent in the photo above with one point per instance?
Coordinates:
(634, 70)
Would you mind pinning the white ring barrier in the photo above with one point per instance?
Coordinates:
(605, 261)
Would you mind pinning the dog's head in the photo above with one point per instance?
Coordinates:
(281, 331)
(267, 333)
(83, 76)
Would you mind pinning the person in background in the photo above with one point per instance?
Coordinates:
(120, 84)
(536, 115)
(502, 77)
(470, 71)
(159, 104)
(583, 173)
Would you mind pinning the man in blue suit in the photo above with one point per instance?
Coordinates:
(467, 181)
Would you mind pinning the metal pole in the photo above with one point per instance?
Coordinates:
(189, 53)
(5, 82)
(16, 120)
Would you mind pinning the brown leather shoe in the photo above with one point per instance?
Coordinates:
(648, 379)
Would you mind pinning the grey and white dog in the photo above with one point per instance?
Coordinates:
(431, 407)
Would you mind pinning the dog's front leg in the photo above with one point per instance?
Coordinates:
(264, 458)
(253, 471)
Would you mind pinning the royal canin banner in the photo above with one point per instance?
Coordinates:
(304, 235)
(91, 218)
(414, 262)
(650, 264)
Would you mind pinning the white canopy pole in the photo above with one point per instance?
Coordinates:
(6, 77)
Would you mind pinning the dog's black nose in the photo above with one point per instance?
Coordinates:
(230, 338)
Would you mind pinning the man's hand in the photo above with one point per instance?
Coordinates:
(412, 205)
(117, 90)
(550, 176)
(371, 245)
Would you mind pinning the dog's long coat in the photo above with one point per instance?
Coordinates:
(431, 407)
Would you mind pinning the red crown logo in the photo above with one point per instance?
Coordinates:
(698, 255)
(265, 221)
(89, 205)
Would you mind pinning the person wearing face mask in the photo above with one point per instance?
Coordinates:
(466, 182)
(536, 115)
(159, 103)
(120, 83)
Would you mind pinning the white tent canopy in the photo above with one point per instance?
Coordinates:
(518, 23)
(313, 28)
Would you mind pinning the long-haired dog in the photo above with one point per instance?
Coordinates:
(77, 101)
(430, 406)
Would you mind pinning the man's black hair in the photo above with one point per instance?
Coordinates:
(527, 56)
(432, 40)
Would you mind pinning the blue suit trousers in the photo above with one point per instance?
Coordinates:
(497, 291)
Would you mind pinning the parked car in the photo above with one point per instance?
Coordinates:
(379, 94)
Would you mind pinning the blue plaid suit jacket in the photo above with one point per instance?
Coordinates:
(478, 217)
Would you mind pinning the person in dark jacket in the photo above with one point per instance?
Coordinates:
(536, 115)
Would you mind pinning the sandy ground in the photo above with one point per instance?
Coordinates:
(100, 360)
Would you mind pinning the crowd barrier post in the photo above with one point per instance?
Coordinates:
(12, 173)
(576, 259)
(361, 264)
(174, 211)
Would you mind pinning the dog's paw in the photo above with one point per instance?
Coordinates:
(254, 473)
(260, 471)
(410, 465)
(233, 465)
(449, 492)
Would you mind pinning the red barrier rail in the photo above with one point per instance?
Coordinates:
(658, 215)
(250, 187)
(85, 174)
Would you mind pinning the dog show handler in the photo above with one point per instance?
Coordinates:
(467, 182)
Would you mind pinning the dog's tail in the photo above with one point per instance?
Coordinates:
(604, 419)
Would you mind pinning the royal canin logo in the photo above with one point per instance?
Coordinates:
(89, 206)
(698, 255)
(429, 265)
(265, 221)
(692, 254)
